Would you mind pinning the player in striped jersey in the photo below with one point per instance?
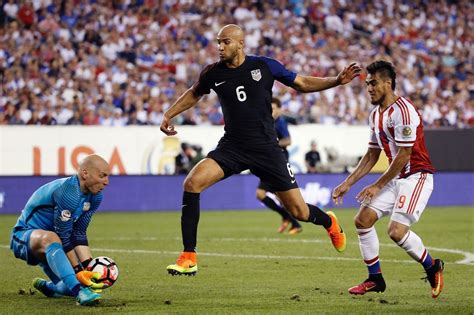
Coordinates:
(51, 231)
(402, 191)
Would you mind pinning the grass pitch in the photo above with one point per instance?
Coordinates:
(246, 267)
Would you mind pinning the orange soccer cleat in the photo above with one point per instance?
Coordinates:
(295, 230)
(186, 264)
(284, 224)
(335, 232)
(434, 275)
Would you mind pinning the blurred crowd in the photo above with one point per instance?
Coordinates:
(115, 63)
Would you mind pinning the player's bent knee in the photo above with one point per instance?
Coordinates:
(260, 194)
(192, 185)
(396, 232)
(49, 238)
(40, 241)
(362, 222)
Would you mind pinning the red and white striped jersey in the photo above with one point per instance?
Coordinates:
(400, 125)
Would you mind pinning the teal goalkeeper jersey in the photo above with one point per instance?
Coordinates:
(61, 207)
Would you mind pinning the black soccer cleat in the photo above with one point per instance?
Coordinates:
(434, 275)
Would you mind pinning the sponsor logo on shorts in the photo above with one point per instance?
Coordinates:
(65, 215)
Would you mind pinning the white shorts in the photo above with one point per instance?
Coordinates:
(404, 199)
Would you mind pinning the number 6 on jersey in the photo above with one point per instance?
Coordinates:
(241, 96)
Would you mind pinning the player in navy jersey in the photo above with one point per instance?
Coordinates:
(51, 231)
(284, 140)
(244, 87)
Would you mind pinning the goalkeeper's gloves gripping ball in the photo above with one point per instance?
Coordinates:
(89, 279)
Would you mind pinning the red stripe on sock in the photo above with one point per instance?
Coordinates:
(422, 259)
(371, 261)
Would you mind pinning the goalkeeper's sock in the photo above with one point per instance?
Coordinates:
(61, 288)
(190, 220)
(60, 265)
(47, 270)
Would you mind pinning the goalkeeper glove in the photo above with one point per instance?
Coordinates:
(89, 279)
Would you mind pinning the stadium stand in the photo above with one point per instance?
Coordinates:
(117, 63)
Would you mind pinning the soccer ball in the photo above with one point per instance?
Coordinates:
(107, 268)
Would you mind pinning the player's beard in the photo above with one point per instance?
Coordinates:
(229, 58)
(379, 101)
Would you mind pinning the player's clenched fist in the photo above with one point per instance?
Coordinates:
(167, 127)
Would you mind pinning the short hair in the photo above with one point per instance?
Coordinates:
(276, 101)
(385, 69)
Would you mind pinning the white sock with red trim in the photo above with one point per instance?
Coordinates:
(369, 248)
(413, 245)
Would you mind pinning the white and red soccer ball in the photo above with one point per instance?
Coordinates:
(107, 268)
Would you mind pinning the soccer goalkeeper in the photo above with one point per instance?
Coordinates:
(51, 232)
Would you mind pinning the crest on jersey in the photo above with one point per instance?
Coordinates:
(65, 215)
(389, 123)
(406, 131)
(86, 206)
(256, 74)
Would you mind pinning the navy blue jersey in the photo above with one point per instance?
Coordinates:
(281, 127)
(245, 94)
(61, 207)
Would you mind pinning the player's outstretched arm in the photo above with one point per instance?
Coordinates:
(184, 102)
(307, 84)
(367, 162)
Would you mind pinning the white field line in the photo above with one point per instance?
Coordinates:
(467, 260)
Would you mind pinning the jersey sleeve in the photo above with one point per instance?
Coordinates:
(202, 87)
(79, 235)
(373, 143)
(279, 71)
(405, 121)
(66, 198)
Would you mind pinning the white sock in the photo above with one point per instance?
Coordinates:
(413, 245)
(369, 245)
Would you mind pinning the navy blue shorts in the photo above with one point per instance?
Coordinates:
(268, 163)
